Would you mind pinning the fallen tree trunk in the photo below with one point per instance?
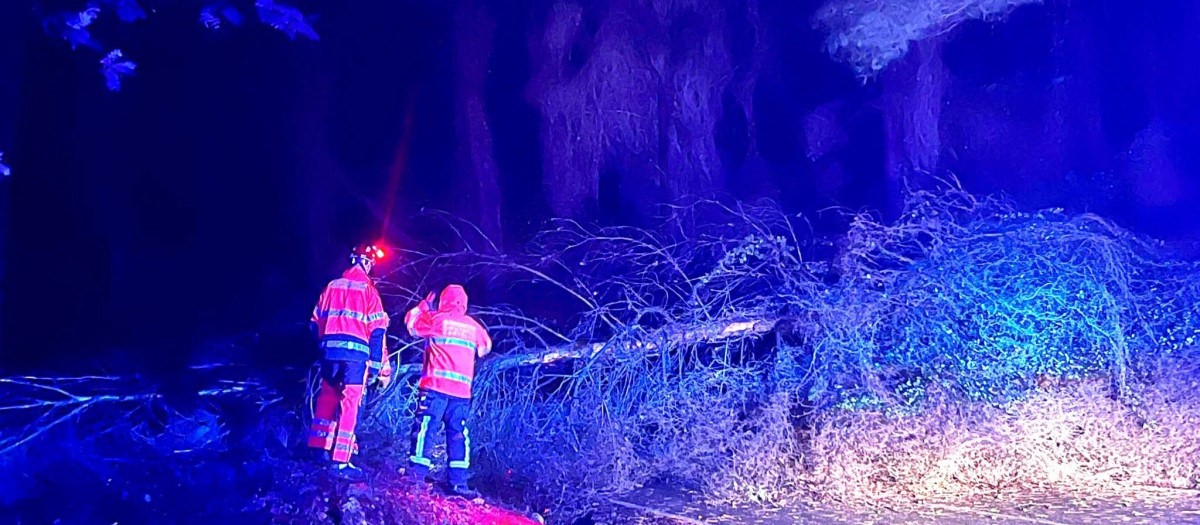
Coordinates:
(716, 333)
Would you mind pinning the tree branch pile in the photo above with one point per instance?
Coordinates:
(715, 350)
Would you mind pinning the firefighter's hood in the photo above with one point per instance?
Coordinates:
(453, 299)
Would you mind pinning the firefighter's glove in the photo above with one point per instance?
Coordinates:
(384, 379)
(427, 304)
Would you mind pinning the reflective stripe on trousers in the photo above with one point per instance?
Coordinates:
(336, 411)
(418, 455)
(433, 410)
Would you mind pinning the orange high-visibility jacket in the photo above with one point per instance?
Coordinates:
(455, 339)
(351, 321)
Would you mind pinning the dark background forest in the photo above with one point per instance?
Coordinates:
(223, 185)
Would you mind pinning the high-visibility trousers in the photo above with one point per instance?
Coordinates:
(433, 410)
(336, 413)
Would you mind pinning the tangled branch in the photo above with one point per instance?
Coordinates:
(34, 406)
(632, 354)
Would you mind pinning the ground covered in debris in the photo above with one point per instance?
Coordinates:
(671, 506)
(127, 451)
(385, 497)
(240, 488)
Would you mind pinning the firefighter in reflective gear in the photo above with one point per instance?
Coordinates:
(352, 325)
(454, 340)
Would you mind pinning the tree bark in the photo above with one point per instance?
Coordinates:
(12, 57)
(666, 107)
(475, 33)
(698, 66)
(569, 124)
(321, 176)
(750, 178)
(1073, 121)
(913, 88)
(644, 101)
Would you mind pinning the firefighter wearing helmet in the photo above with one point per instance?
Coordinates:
(351, 324)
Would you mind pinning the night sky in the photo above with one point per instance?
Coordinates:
(219, 190)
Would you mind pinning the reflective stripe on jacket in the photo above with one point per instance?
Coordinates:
(347, 314)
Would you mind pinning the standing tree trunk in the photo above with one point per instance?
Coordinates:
(12, 55)
(912, 109)
(746, 73)
(665, 100)
(903, 47)
(750, 47)
(1073, 120)
(570, 125)
(701, 66)
(478, 173)
(636, 89)
(320, 175)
